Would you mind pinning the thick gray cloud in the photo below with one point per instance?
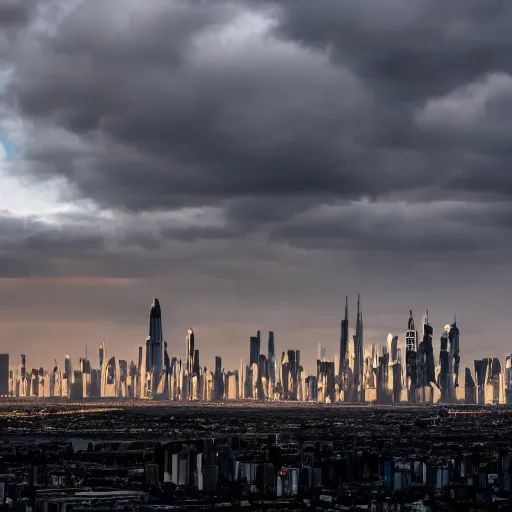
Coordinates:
(275, 151)
(181, 103)
(440, 74)
(16, 13)
(270, 111)
(407, 50)
(210, 112)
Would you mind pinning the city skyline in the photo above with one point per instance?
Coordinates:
(402, 369)
(251, 163)
(179, 348)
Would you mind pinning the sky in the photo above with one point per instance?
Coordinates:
(250, 163)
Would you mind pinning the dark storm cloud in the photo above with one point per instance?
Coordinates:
(30, 247)
(312, 124)
(406, 50)
(439, 72)
(426, 230)
(122, 245)
(215, 120)
(13, 229)
(207, 118)
(16, 13)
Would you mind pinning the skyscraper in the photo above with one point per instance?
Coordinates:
(271, 363)
(167, 361)
(508, 379)
(155, 340)
(411, 348)
(254, 349)
(190, 351)
(445, 374)
(429, 350)
(343, 348)
(453, 337)
(23, 367)
(358, 353)
(425, 363)
(271, 347)
(449, 360)
(470, 388)
(101, 353)
(68, 368)
(218, 380)
(325, 379)
(4, 374)
(196, 366)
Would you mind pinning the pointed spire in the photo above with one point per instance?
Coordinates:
(410, 325)
(358, 306)
(346, 307)
(454, 320)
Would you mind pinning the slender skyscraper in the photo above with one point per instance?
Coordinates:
(342, 371)
(254, 349)
(271, 362)
(429, 350)
(196, 366)
(218, 382)
(508, 379)
(68, 368)
(190, 351)
(155, 340)
(448, 379)
(101, 353)
(470, 388)
(358, 353)
(167, 361)
(453, 337)
(23, 370)
(271, 347)
(445, 374)
(425, 363)
(411, 348)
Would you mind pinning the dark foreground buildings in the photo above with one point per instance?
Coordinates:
(154, 458)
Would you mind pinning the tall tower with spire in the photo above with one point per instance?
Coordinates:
(428, 333)
(358, 353)
(411, 348)
(154, 342)
(342, 371)
(425, 363)
(343, 363)
(453, 337)
(271, 362)
(190, 343)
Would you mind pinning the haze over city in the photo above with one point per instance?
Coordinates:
(250, 163)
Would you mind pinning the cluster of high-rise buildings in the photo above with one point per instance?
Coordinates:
(392, 373)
